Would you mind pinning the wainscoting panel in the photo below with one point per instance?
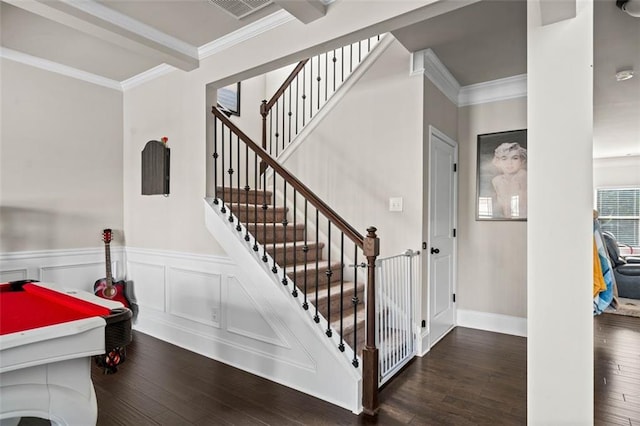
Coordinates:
(266, 331)
(77, 269)
(245, 318)
(148, 280)
(78, 276)
(194, 295)
(15, 275)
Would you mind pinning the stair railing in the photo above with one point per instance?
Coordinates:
(305, 91)
(237, 190)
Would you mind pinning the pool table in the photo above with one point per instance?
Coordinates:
(48, 336)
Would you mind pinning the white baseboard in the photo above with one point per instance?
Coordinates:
(488, 321)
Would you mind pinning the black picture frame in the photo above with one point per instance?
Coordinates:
(229, 99)
(501, 176)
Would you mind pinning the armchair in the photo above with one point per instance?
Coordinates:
(625, 270)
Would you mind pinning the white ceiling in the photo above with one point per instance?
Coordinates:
(119, 39)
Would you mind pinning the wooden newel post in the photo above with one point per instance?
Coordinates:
(370, 403)
(264, 113)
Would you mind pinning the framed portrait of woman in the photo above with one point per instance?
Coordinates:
(501, 171)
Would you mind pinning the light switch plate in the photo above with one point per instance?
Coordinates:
(395, 204)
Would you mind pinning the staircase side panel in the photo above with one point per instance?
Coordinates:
(293, 352)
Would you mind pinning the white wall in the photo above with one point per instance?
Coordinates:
(355, 164)
(275, 78)
(560, 151)
(252, 92)
(492, 263)
(175, 106)
(61, 161)
(163, 107)
(617, 172)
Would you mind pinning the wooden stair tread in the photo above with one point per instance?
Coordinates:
(323, 265)
(253, 207)
(298, 244)
(296, 272)
(347, 323)
(311, 266)
(270, 225)
(235, 190)
(334, 289)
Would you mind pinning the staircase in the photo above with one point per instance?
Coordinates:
(321, 286)
(305, 244)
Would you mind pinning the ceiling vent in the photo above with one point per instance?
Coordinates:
(241, 8)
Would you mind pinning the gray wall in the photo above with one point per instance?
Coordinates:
(492, 256)
(61, 161)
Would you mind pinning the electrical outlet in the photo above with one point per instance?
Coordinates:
(395, 204)
(215, 313)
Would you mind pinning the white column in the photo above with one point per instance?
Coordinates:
(560, 121)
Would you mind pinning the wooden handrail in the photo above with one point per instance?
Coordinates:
(322, 207)
(266, 108)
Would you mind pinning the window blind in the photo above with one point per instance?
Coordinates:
(619, 213)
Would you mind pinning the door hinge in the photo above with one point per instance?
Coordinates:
(454, 298)
(424, 246)
(454, 232)
(423, 324)
(455, 167)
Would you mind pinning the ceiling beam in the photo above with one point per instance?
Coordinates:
(99, 21)
(304, 10)
(552, 11)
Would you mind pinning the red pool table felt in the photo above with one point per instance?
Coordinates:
(36, 307)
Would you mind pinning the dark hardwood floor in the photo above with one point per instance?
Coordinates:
(471, 377)
(617, 370)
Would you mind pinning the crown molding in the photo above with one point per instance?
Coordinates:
(245, 33)
(57, 68)
(145, 76)
(492, 91)
(252, 30)
(130, 24)
(427, 62)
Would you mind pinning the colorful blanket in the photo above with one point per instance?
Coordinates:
(604, 296)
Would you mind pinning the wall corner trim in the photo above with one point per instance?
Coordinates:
(428, 63)
(488, 321)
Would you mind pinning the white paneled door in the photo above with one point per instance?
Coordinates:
(441, 247)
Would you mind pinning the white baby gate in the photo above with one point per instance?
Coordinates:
(396, 277)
